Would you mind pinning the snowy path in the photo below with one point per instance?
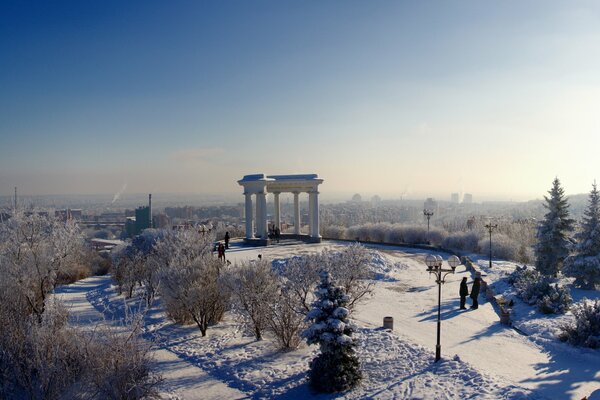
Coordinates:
(182, 380)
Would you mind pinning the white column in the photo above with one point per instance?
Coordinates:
(261, 215)
(313, 198)
(310, 215)
(277, 211)
(296, 214)
(249, 232)
(258, 221)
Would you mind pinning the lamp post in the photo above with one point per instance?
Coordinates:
(490, 227)
(428, 214)
(434, 266)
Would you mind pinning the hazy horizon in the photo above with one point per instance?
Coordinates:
(419, 99)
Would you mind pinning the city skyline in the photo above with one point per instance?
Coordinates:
(389, 98)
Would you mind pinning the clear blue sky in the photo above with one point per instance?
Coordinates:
(422, 97)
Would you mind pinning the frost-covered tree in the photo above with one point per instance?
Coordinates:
(191, 284)
(336, 368)
(34, 250)
(254, 285)
(552, 236)
(584, 265)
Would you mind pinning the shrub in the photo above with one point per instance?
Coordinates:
(533, 288)
(556, 300)
(502, 247)
(254, 286)
(285, 321)
(586, 329)
(465, 241)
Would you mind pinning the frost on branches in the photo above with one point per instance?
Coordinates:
(336, 368)
(584, 265)
(586, 329)
(553, 244)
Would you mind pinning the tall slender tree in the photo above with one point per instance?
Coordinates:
(552, 236)
(584, 265)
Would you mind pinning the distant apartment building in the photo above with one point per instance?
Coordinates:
(468, 198)
(69, 214)
(431, 204)
(161, 221)
(142, 219)
(455, 198)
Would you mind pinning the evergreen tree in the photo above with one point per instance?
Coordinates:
(553, 244)
(584, 265)
(336, 368)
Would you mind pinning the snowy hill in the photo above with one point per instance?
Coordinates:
(482, 359)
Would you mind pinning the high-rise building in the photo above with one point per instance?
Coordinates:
(142, 219)
(468, 198)
(431, 204)
(455, 198)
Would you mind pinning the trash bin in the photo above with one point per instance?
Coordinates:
(388, 323)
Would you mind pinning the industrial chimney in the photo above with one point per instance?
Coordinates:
(150, 209)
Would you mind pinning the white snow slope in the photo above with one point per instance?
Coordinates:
(481, 359)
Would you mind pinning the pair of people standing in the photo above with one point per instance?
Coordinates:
(464, 292)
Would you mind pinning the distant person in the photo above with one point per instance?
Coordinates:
(277, 233)
(226, 240)
(475, 293)
(260, 256)
(463, 292)
(221, 252)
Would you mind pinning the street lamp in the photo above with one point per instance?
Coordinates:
(428, 214)
(434, 266)
(490, 227)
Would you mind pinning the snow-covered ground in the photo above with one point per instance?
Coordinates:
(482, 359)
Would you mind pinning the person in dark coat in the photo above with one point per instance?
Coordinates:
(463, 292)
(475, 293)
(226, 240)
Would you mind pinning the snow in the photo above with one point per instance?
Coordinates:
(481, 359)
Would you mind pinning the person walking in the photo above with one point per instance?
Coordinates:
(475, 292)
(227, 240)
(463, 292)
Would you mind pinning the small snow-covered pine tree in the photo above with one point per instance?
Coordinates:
(337, 367)
(584, 265)
(553, 244)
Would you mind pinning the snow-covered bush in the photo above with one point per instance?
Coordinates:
(584, 265)
(49, 359)
(350, 267)
(336, 368)
(191, 284)
(535, 289)
(586, 329)
(556, 300)
(301, 274)
(124, 372)
(285, 321)
(464, 241)
(334, 232)
(254, 287)
(502, 247)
